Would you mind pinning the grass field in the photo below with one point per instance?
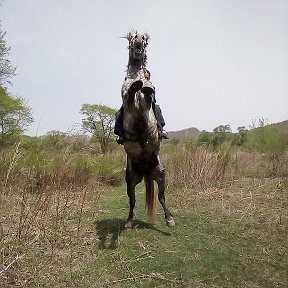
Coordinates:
(229, 235)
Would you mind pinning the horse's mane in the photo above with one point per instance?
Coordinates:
(129, 35)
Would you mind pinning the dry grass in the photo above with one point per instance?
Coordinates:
(201, 166)
(239, 199)
(43, 227)
(197, 167)
(42, 203)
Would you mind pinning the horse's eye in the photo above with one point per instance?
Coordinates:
(136, 36)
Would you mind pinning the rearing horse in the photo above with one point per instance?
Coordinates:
(142, 143)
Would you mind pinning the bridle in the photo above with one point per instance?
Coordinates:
(134, 39)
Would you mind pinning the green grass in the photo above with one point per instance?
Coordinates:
(234, 235)
(202, 250)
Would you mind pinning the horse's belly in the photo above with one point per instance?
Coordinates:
(135, 149)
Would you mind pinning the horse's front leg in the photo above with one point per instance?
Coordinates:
(159, 176)
(129, 88)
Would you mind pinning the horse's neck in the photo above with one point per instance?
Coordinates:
(134, 68)
(134, 71)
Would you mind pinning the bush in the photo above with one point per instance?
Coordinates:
(272, 143)
(198, 166)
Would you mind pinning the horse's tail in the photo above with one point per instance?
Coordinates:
(151, 199)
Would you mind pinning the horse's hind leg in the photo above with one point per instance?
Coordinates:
(131, 195)
(132, 179)
(159, 176)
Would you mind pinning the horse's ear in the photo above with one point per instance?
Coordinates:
(128, 36)
(147, 36)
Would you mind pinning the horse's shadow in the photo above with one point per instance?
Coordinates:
(112, 229)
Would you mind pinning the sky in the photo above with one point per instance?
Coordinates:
(213, 62)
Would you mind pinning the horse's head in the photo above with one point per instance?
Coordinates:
(137, 46)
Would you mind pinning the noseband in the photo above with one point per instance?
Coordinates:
(135, 40)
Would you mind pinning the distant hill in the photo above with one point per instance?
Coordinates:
(185, 133)
(281, 126)
(194, 132)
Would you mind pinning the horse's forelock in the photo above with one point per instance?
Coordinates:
(130, 35)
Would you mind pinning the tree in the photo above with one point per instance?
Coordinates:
(15, 117)
(99, 121)
(222, 133)
(222, 129)
(241, 137)
(205, 138)
(7, 71)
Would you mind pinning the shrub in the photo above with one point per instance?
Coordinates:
(198, 166)
(272, 143)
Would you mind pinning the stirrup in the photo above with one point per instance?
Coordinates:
(164, 135)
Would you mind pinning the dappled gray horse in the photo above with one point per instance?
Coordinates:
(142, 143)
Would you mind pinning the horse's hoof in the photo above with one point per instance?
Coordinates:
(129, 225)
(135, 86)
(147, 90)
(170, 222)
